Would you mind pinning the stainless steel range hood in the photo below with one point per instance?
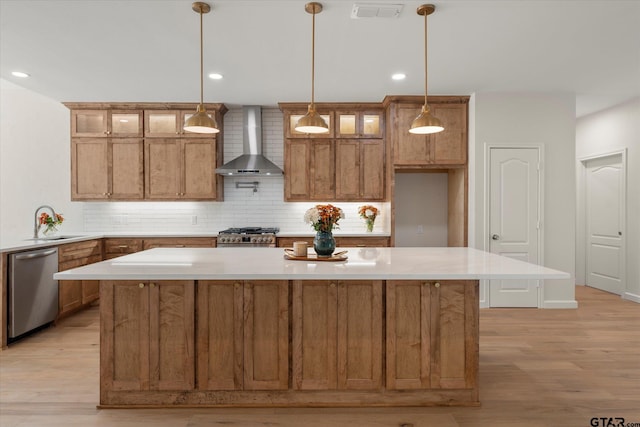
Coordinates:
(251, 162)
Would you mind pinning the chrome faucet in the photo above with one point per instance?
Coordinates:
(36, 224)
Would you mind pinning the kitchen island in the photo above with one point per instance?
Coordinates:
(247, 327)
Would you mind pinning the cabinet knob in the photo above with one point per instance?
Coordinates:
(141, 285)
(177, 194)
(437, 284)
(333, 285)
(152, 285)
(236, 285)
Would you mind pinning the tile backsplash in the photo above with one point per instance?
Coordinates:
(241, 207)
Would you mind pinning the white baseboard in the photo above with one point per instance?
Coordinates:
(631, 297)
(560, 304)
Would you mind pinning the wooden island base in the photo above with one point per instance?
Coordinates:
(280, 343)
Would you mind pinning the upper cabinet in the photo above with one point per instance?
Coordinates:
(367, 123)
(347, 163)
(139, 151)
(106, 123)
(169, 123)
(446, 148)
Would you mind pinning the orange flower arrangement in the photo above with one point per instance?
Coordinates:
(369, 213)
(323, 217)
(51, 224)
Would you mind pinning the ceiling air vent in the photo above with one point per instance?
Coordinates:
(368, 10)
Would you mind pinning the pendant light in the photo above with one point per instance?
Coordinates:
(425, 123)
(312, 122)
(201, 122)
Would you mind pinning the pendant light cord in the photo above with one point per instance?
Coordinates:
(425, 59)
(313, 54)
(201, 62)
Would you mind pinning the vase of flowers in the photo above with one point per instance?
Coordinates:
(369, 214)
(50, 224)
(323, 219)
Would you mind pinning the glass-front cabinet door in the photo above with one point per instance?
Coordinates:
(292, 120)
(169, 124)
(106, 123)
(359, 124)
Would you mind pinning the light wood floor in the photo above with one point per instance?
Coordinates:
(537, 368)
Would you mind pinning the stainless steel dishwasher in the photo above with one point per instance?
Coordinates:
(33, 293)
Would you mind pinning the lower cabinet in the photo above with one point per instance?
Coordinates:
(337, 335)
(289, 343)
(76, 294)
(432, 335)
(243, 334)
(147, 336)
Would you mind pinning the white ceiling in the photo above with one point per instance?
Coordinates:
(148, 51)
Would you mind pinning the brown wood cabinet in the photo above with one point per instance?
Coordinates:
(432, 335)
(360, 123)
(76, 294)
(169, 123)
(147, 336)
(445, 148)
(360, 169)
(337, 335)
(179, 242)
(347, 163)
(102, 123)
(180, 169)
(243, 331)
(114, 248)
(133, 151)
(107, 168)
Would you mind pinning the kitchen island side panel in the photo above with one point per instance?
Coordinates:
(333, 338)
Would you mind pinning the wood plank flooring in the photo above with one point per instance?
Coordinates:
(537, 368)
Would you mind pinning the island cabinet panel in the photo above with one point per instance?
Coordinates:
(343, 242)
(337, 335)
(147, 336)
(432, 335)
(314, 335)
(360, 335)
(220, 335)
(266, 335)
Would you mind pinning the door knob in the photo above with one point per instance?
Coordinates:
(495, 237)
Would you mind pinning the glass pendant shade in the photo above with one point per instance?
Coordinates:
(201, 122)
(425, 123)
(312, 122)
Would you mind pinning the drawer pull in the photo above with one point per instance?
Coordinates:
(123, 246)
(437, 284)
(141, 285)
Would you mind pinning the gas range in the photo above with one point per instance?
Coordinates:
(248, 237)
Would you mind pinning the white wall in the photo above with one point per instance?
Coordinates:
(34, 161)
(615, 129)
(528, 119)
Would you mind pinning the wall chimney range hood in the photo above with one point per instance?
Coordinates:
(251, 162)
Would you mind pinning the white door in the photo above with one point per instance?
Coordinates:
(604, 198)
(514, 207)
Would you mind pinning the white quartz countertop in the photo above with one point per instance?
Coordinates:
(270, 264)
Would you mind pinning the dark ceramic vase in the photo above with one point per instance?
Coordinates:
(324, 244)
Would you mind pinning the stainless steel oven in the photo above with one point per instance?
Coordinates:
(249, 237)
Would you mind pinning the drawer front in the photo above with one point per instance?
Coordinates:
(287, 242)
(79, 250)
(362, 242)
(182, 242)
(121, 246)
(62, 266)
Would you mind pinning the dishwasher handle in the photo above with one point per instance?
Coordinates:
(36, 255)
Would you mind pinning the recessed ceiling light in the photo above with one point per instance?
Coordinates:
(399, 76)
(215, 76)
(20, 74)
